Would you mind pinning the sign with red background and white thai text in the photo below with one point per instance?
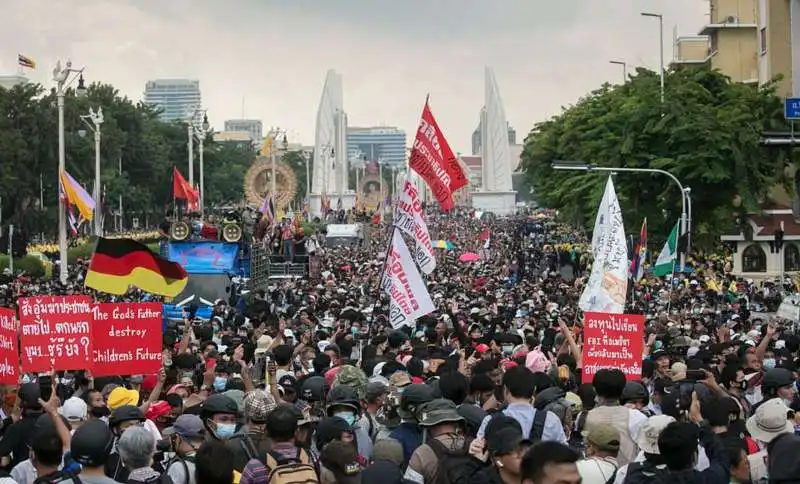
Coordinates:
(55, 333)
(612, 341)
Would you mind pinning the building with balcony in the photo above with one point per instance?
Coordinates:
(779, 44)
(751, 41)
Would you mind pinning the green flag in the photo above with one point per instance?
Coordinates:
(666, 259)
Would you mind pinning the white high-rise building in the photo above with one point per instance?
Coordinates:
(175, 97)
(9, 81)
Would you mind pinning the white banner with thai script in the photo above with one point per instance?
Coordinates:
(408, 218)
(607, 287)
(408, 294)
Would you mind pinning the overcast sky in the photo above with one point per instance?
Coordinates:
(274, 54)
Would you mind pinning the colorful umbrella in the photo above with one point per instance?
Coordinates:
(443, 244)
(469, 257)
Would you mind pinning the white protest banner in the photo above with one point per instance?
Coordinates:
(607, 287)
(408, 218)
(409, 297)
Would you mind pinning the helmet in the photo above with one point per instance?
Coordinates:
(776, 378)
(125, 413)
(313, 389)
(635, 391)
(91, 444)
(218, 403)
(343, 395)
(413, 397)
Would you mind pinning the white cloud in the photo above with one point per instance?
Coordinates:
(275, 54)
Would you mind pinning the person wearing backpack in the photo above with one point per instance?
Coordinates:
(602, 447)
(186, 436)
(519, 385)
(285, 463)
(444, 457)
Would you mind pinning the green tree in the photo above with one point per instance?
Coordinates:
(707, 134)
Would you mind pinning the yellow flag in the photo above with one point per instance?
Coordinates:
(266, 148)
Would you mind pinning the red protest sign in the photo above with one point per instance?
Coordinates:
(612, 341)
(55, 332)
(9, 357)
(126, 338)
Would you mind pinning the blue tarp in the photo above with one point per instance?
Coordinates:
(205, 257)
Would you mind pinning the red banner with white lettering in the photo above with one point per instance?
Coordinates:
(435, 162)
(614, 341)
(126, 339)
(9, 356)
(55, 333)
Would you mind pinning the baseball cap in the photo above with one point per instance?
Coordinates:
(400, 379)
(257, 405)
(74, 409)
(340, 458)
(604, 437)
(188, 426)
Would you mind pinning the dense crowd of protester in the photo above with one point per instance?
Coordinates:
(305, 380)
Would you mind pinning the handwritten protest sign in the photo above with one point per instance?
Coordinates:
(55, 332)
(9, 358)
(612, 341)
(126, 338)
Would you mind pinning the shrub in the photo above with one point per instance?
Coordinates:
(32, 266)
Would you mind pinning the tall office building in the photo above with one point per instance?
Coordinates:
(175, 97)
(751, 41)
(384, 143)
(477, 143)
(254, 127)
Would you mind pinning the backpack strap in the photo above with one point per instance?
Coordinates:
(249, 447)
(537, 427)
(183, 463)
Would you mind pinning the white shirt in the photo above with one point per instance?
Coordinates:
(595, 470)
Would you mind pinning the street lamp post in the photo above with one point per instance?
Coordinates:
(96, 119)
(685, 221)
(202, 130)
(660, 18)
(307, 158)
(61, 76)
(624, 69)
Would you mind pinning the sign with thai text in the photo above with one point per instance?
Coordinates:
(612, 341)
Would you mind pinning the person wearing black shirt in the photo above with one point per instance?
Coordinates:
(17, 439)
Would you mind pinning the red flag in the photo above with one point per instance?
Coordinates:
(484, 235)
(435, 162)
(181, 189)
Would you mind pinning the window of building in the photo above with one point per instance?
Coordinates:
(791, 257)
(763, 37)
(754, 259)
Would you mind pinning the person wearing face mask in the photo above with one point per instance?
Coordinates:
(96, 405)
(445, 448)
(343, 403)
(219, 414)
(221, 374)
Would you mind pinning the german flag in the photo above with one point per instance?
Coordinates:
(118, 264)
